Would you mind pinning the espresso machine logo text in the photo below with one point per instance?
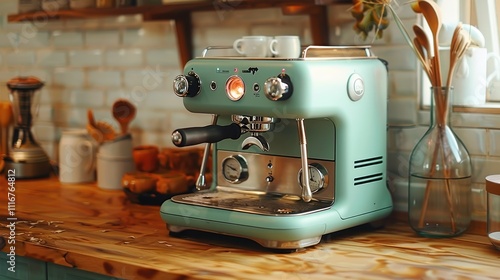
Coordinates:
(252, 70)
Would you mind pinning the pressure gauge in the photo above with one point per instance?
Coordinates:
(318, 177)
(235, 169)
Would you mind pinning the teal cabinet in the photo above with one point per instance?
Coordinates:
(32, 269)
(58, 272)
(25, 268)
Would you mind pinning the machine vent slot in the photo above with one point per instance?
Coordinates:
(367, 162)
(368, 179)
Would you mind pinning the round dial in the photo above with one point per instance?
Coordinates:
(187, 85)
(235, 169)
(318, 177)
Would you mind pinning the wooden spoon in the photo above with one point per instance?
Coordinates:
(423, 56)
(100, 130)
(107, 130)
(459, 44)
(92, 127)
(90, 117)
(423, 39)
(430, 10)
(456, 40)
(124, 112)
(95, 133)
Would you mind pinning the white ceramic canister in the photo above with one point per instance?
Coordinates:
(77, 154)
(110, 170)
(121, 146)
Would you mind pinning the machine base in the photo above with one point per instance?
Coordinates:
(287, 231)
(272, 244)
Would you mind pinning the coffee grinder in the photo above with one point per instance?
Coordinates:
(25, 156)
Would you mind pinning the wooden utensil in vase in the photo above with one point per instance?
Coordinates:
(124, 112)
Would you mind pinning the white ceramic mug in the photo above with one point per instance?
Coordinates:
(251, 46)
(76, 157)
(286, 46)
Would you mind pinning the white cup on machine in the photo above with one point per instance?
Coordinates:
(77, 154)
(286, 46)
(252, 46)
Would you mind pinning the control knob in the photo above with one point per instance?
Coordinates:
(278, 88)
(187, 85)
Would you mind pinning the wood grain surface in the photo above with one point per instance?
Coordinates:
(88, 228)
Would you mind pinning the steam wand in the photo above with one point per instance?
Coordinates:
(306, 189)
(201, 184)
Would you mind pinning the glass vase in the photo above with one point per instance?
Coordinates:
(439, 188)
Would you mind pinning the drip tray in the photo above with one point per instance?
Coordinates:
(263, 204)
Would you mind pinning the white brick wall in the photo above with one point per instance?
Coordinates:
(91, 63)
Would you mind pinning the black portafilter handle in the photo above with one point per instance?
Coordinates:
(207, 134)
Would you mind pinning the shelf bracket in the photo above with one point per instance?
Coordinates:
(183, 33)
(318, 20)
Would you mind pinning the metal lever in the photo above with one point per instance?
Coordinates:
(306, 189)
(201, 184)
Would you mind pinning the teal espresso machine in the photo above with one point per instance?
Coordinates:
(298, 146)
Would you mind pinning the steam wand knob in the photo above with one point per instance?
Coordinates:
(278, 88)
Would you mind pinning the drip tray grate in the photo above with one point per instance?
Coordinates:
(263, 204)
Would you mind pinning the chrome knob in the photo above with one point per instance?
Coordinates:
(187, 85)
(177, 138)
(278, 88)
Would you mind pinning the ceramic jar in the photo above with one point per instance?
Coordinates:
(77, 154)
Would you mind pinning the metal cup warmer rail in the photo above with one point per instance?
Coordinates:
(298, 145)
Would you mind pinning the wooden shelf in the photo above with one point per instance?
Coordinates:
(181, 14)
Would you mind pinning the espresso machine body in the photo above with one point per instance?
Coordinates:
(309, 154)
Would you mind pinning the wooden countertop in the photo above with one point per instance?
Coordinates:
(101, 231)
